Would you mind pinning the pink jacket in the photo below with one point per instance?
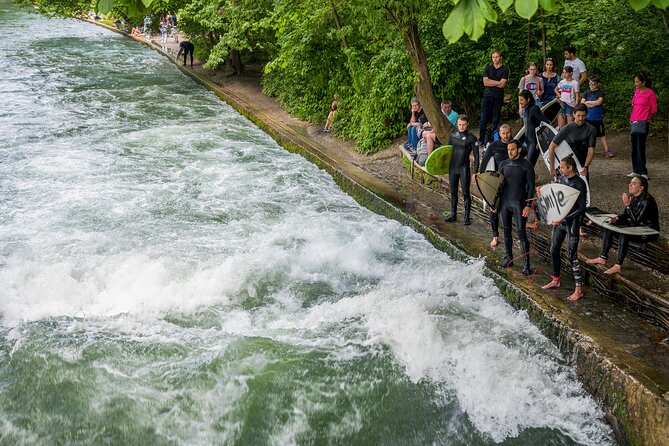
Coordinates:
(644, 105)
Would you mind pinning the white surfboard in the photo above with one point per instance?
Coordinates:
(602, 219)
(555, 201)
(545, 134)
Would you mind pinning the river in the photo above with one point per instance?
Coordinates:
(170, 275)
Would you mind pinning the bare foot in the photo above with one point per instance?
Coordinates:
(615, 269)
(596, 261)
(494, 242)
(555, 283)
(576, 295)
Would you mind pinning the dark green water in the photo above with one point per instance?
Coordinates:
(169, 275)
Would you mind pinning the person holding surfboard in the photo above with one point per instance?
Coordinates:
(580, 136)
(464, 144)
(571, 226)
(640, 210)
(532, 118)
(493, 156)
(517, 194)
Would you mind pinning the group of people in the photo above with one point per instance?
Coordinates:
(581, 123)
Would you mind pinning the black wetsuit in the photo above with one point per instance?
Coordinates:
(517, 192)
(463, 145)
(186, 48)
(572, 227)
(532, 118)
(642, 211)
(497, 151)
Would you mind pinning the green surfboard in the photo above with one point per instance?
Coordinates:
(439, 161)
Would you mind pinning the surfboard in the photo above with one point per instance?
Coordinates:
(489, 185)
(439, 161)
(550, 111)
(545, 134)
(555, 201)
(601, 218)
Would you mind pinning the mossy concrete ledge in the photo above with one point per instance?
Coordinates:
(639, 415)
(634, 393)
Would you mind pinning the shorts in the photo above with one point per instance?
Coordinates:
(599, 126)
(567, 110)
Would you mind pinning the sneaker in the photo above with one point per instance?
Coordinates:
(644, 175)
(609, 154)
(632, 174)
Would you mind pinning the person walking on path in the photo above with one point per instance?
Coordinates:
(644, 105)
(186, 48)
(570, 226)
(464, 144)
(640, 209)
(495, 77)
(550, 79)
(517, 194)
(593, 98)
(496, 152)
(333, 110)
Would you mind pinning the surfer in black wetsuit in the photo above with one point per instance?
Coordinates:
(464, 144)
(186, 48)
(517, 194)
(580, 136)
(571, 226)
(496, 152)
(532, 118)
(640, 209)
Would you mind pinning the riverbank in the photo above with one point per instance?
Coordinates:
(622, 360)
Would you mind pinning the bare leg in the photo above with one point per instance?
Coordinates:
(494, 242)
(560, 120)
(570, 119)
(578, 293)
(554, 283)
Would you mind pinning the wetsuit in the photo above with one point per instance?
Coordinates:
(517, 192)
(186, 48)
(463, 145)
(570, 226)
(496, 151)
(642, 211)
(532, 117)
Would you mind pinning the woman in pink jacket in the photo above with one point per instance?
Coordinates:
(644, 105)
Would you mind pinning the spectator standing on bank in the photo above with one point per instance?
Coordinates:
(593, 98)
(147, 25)
(577, 65)
(644, 105)
(495, 77)
(568, 92)
(186, 48)
(531, 82)
(549, 80)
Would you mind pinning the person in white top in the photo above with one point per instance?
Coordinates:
(570, 60)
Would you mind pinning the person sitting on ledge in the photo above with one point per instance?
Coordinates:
(136, 33)
(640, 209)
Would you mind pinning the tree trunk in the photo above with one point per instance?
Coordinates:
(408, 25)
(236, 61)
(335, 15)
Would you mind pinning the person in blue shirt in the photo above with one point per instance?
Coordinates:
(594, 100)
(449, 113)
